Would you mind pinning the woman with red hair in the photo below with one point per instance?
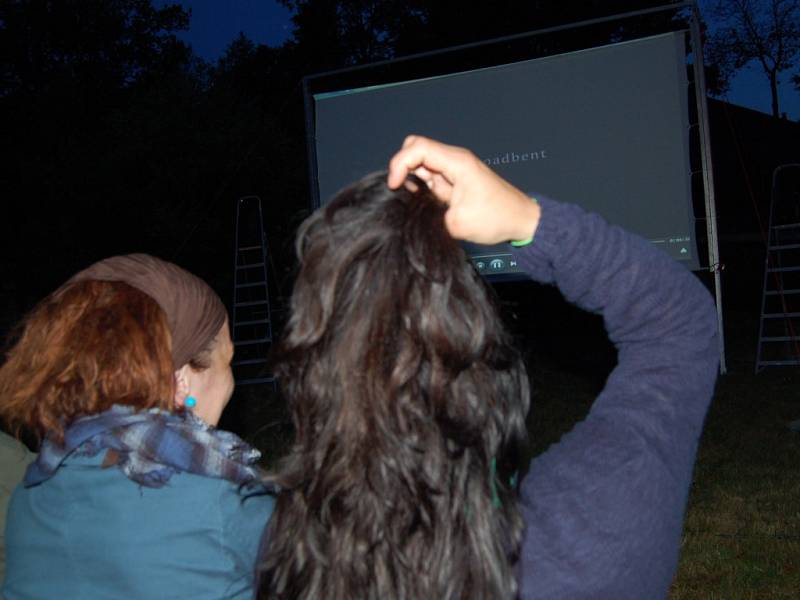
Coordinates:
(124, 372)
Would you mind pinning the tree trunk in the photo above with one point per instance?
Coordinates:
(773, 87)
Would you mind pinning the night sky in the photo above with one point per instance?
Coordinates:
(215, 23)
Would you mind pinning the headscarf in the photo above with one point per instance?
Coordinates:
(195, 314)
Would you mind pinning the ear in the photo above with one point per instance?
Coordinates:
(182, 387)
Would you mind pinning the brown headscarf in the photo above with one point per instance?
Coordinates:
(195, 313)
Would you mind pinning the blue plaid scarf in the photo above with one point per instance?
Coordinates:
(152, 446)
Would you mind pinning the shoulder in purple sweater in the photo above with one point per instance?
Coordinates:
(604, 506)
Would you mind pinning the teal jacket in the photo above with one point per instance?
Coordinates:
(14, 458)
(90, 532)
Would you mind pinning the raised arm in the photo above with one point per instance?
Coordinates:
(604, 506)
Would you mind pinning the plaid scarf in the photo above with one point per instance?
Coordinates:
(152, 446)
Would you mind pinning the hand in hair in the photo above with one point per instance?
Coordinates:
(482, 206)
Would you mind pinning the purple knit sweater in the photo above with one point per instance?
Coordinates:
(604, 506)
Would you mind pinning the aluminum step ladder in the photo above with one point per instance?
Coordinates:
(252, 318)
(779, 327)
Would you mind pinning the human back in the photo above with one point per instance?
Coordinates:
(603, 507)
(404, 389)
(117, 539)
(124, 371)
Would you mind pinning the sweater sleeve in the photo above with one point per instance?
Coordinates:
(604, 506)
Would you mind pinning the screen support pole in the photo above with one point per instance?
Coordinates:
(311, 146)
(708, 176)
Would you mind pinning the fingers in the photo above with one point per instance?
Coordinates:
(402, 163)
(410, 139)
(424, 157)
(482, 207)
(441, 187)
(425, 174)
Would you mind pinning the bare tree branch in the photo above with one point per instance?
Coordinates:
(763, 31)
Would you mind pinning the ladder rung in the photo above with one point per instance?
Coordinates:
(248, 361)
(783, 247)
(781, 292)
(251, 322)
(251, 260)
(788, 315)
(778, 362)
(240, 286)
(783, 269)
(782, 338)
(264, 340)
(786, 226)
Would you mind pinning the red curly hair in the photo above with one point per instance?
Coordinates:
(87, 346)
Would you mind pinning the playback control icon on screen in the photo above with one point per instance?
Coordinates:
(678, 247)
(495, 264)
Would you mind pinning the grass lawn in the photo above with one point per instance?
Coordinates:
(742, 531)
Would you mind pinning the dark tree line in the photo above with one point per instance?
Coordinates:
(118, 139)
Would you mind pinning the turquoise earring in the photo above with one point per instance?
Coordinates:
(190, 402)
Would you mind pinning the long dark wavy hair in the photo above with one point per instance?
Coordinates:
(404, 389)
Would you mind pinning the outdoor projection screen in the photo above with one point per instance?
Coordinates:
(606, 128)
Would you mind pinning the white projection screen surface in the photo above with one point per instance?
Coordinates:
(606, 128)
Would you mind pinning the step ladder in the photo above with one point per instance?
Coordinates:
(779, 328)
(252, 318)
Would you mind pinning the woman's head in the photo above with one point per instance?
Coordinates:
(127, 330)
(403, 388)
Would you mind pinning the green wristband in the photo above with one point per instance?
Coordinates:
(526, 241)
(519, 243)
